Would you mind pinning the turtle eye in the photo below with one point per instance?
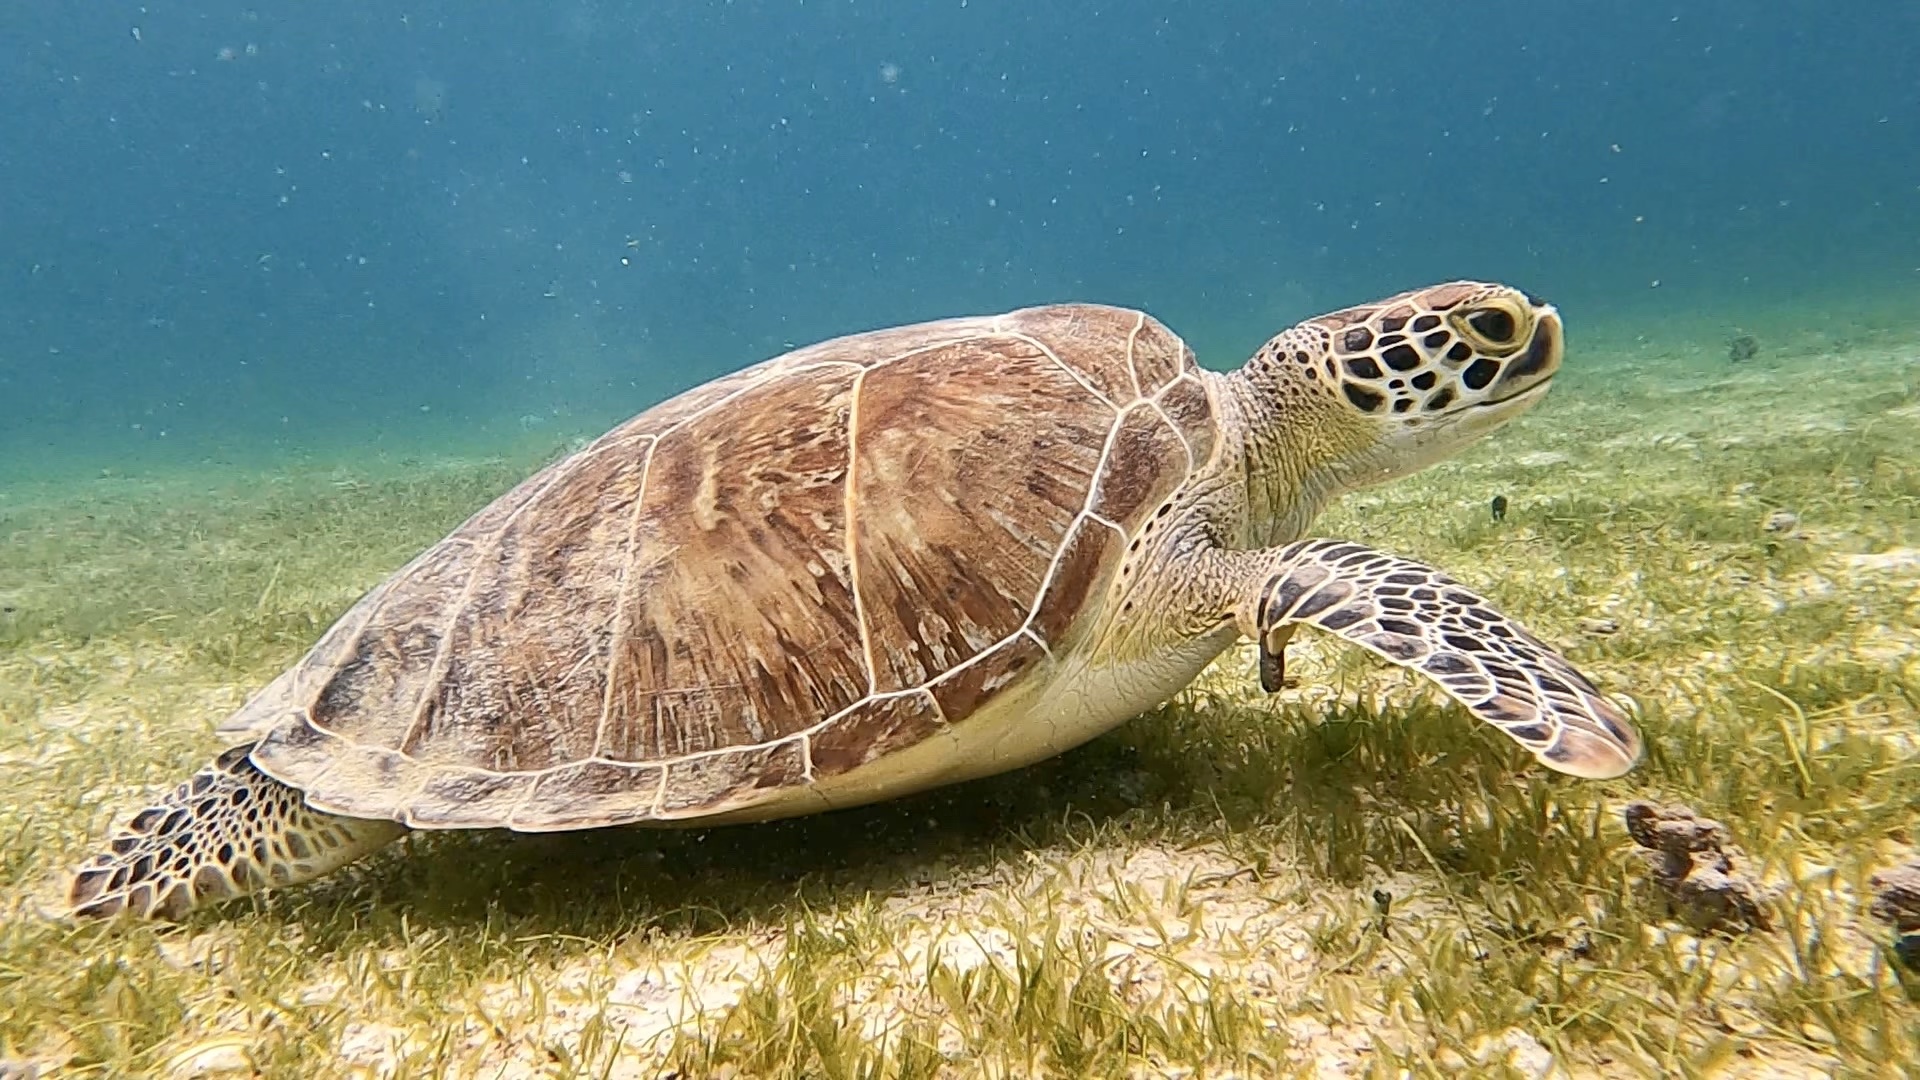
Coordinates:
(1493, 324)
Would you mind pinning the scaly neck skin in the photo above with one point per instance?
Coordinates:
(1271, 472)
(1281, 446)
(1263, 486)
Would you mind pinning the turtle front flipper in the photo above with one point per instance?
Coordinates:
(1421, 619)
(230, 830)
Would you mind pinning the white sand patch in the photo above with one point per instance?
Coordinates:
(1903, 561)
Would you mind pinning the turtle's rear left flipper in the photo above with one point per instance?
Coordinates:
(1421, 619)
(230, 830)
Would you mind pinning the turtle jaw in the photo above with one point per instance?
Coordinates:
(1532, 369)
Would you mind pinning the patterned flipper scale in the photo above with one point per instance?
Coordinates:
(1421, 619)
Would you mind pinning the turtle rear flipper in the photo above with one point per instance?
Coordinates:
(228, 831)
(1422, 619)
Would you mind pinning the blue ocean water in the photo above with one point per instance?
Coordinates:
(227, 226)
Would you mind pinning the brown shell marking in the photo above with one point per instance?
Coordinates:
(776, 577)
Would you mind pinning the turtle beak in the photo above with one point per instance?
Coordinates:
(1535, 365)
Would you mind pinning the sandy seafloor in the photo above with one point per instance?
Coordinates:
(1708, 538)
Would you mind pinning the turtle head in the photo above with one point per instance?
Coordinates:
(1355, 397)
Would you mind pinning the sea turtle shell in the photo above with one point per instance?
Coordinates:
(771, 580)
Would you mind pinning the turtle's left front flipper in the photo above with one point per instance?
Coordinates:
(1421, 619)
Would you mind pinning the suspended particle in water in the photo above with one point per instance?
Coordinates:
(890, 73)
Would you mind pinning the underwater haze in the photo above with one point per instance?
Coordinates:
(290, 291)
(230, 229)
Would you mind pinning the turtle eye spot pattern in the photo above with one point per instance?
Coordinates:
(1363, 399)
(1402, 357)
(1363, 367)
(1496, 325)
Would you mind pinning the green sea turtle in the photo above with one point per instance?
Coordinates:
(874, 565)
